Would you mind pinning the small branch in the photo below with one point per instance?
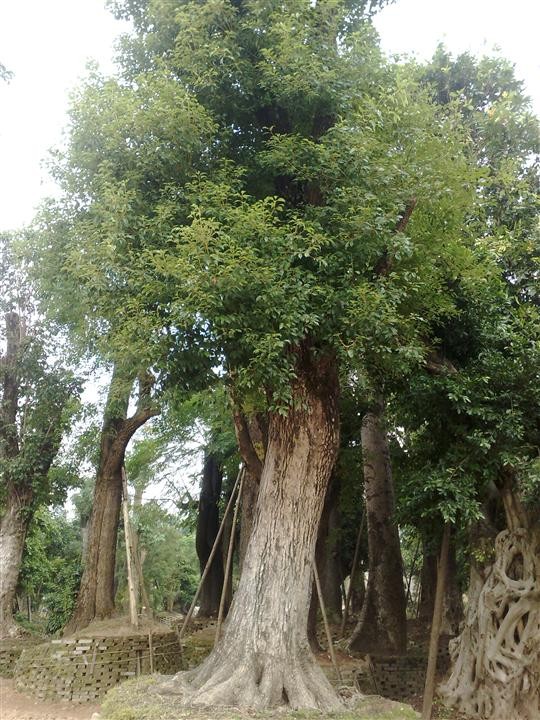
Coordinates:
(384, 264)
(404, 220)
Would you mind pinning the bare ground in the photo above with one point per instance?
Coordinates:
(126, 706)
(14, 706)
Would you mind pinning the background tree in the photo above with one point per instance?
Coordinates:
(37, 401)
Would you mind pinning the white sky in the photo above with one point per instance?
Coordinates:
(47, 43)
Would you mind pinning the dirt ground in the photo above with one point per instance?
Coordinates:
(14, 706)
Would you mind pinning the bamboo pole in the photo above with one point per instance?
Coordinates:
(229, 559)
(353, 575)
(326, 626)
(210, 558)
(429, 688)
(134, 619)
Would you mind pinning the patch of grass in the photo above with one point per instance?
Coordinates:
(138, 699)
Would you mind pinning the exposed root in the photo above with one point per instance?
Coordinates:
(496, 659)
(256, 683)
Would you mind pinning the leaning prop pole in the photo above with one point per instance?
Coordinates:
(229, 559)
(429, 688)
(133, 616)
(210, 558)
(352, 576)
(326, 626)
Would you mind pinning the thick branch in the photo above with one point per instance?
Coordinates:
(438, 364)
(247, 450)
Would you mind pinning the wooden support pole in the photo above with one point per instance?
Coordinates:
(326, 626)
(210, 558)
(429, 688)
(229, 559)
(353, 575)
(151, 652)
(133, 616)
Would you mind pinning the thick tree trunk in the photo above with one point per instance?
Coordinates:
(95, 600)
(207, 530)
(382, 628)
(263, 658)
(13, 528)
(496, 659)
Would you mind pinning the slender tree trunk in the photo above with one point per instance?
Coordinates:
(382, 628)
(95, 600)
(453, 601)
(13, 528)
(328, 565)
(328, 557)
(207, 530)
(428, 584)
(263, 658)
(358, 594)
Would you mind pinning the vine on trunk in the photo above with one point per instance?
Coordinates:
(496, 659)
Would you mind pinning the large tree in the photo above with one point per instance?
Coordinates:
(253, 165)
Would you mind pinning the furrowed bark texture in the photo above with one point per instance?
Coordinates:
(263, 658)
(382, 628)
(12, 523)
(207, 530)
(250, 493)
(13, 528)
(257, 430)
(496, 659)
(95, 600)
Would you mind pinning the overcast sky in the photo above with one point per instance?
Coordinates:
(47, 44)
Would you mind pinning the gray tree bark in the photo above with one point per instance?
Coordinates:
(382, 627)
(13, 528)
(263, 658)
(95, 600)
